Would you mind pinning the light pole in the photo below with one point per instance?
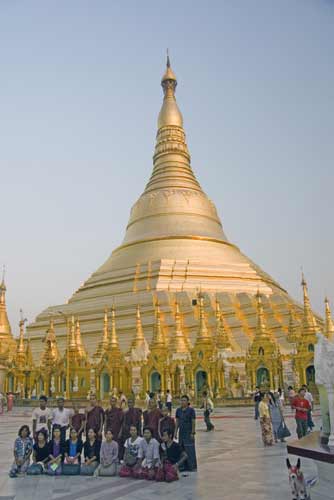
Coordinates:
(68, 387)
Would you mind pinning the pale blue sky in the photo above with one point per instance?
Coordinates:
(79, 97)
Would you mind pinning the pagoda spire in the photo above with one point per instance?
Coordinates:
(261, 329)
(51, 353)
(139, 338)
(178, 342)
(78, 339)
(5, 329)
(203, 334)
(21, 352)
(73, 343)
(309, 323)
(114, 344)
(222, 337)
(329, 325)
(158, 339)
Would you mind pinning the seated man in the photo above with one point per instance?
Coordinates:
(173, 456)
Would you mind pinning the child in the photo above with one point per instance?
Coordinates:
(108, 457)
(22, 452)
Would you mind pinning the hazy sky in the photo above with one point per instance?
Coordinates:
(79, 98)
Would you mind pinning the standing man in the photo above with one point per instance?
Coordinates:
(41, 418)
(257, 399)
(185, 426)
(302, 407)
(61, 418)
(207, 405)
(132, 416)
(94, 417)
(152, 417)
(113, 419)
(309, 397)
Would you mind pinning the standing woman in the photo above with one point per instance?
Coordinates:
(265, 421)
(22, 452)
(276, 414)
(92, 454)
(185, 426)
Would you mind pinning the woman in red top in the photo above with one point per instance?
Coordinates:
(302, 407)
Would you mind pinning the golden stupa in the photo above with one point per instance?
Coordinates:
(175, 254)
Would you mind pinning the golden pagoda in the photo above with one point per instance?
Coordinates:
(263, 362)
(7, 342)
(305, 342)
(329, 324)
(175, 244)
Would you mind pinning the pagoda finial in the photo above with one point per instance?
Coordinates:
(158, 339)
(78, 340)
(203, 332)
(309, 323)
(105, 337)
(222, 337)
(139, 338)
(168, 60)
(178, 343)
(73, 344)
(329, 325)
(113, 338)
(21, 348)
(261, 329)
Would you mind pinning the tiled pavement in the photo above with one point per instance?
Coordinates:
(233, 465)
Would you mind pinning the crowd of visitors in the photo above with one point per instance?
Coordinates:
(120, 440)
(269, 409)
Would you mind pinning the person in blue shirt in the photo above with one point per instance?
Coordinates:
(185, 429)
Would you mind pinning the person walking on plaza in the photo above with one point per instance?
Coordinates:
(207, 405)
(169, 401)
(309, 397)
(41, 418)
(302, 407)
(185, 430)
(10, 401)
(94, 417)
(151, 418)
(276, 414)
(2, 403)
(22, 452)
(257, 399)
(61, 418)
(265, 421)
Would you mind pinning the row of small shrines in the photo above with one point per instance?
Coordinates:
(178, 366)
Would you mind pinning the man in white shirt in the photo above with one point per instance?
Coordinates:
(169, 400)
(148, 452)
(61, 418)
(41, 417)
(309, 397)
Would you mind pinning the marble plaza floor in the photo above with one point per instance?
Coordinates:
(233, 465)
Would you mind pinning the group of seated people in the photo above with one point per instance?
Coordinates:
(148, 457)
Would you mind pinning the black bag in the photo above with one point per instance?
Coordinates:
(283, 432)
(35, 470)
(71, 469)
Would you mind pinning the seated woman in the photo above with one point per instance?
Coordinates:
(22, 452)
(148, 457)
(108, 457)
(73, 449)
(91, 453)
(172, 456)
(56, 453)
(40, 456)
(131, 447)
